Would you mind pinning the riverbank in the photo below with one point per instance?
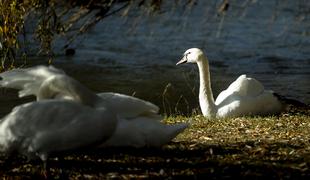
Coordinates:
(274, 147)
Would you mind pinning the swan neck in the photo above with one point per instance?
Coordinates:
(206, 99)
(66, 86)
(86, 96)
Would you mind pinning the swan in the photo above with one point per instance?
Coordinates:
(138, 121)
(245, 96)
(40, 128)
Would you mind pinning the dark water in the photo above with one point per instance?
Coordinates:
(136, 54)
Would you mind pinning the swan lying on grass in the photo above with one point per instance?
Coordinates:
(38, 129)
(245, 96)
(138, 122)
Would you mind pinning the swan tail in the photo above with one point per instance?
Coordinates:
(176, 129)
(171, 131)
(143, 132)
(288, 101)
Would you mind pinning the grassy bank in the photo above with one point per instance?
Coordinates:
(276, 147)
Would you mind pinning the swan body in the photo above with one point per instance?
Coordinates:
(51, 126)
(245, 96)
(138, 121)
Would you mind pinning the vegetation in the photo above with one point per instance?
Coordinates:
(276, 147)
(11, 23)
(52, 17)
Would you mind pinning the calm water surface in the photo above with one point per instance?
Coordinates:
(136, 54)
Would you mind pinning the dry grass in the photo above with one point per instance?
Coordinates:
(275, 147)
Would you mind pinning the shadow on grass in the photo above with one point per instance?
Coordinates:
(179, 159)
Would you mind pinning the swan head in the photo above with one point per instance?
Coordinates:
(192, 55)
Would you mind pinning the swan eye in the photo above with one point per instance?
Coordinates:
(185, 54)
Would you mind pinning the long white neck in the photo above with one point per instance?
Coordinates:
(66, 86)
(206, 99)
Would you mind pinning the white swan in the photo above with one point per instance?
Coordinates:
(51, 126)
(138, 120)
(245, 96)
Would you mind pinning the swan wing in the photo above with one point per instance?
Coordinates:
(49, 126)
(246, 86)
(51, 83)
(143, 132)
(253, 87)
(129, 107)
(263, 104)
(47, 82)
(28, 80)
(221, 97)
(139, 124)
(243, 86)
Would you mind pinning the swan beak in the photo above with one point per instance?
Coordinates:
(182, 61)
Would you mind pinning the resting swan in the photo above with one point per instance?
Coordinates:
(138, 122)
(245, 96)
(51, 126)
